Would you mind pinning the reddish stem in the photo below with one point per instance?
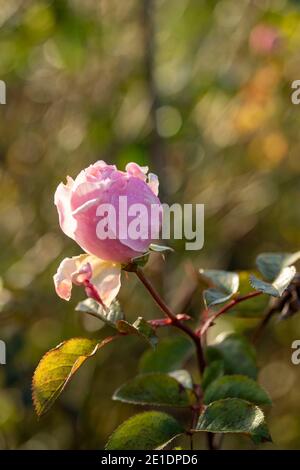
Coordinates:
(174, 320)
(203, 329)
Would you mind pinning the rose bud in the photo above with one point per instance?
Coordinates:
(113, 216)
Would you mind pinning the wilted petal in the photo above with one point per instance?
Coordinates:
(83, 274)
(64, 277)
(103, 275)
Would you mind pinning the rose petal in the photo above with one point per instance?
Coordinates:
(133, 169)
(104, 275)
(83, 274)
(62, 200)
(153, 183)
(107, 279)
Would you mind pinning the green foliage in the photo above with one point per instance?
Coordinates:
(212, 372)
(236, 386)
(183, 377)
(169, 355)
(110, 316)
(57, 367)
(278, 286)
(276, 270)
(237, 353)
(253, 307)
(154, 389)
(225, 284)
(139, 328)
(233, 415)
(141, 261)
(160, 248)
(145, 431)
(271, 264)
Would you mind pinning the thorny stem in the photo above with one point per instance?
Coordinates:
(174, 320)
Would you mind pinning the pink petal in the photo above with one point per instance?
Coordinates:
(153, 183)
(84, 273)
(107, 279)
(62, 200)
(104, 276)
(66, 270)
(133, 169)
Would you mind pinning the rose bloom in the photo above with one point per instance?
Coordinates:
(78, 203)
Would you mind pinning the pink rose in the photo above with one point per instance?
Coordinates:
(80, 204)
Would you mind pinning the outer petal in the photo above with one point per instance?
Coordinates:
(62, 200)
(133, 169)
(104, 275)
(153, 183)
(63, 279)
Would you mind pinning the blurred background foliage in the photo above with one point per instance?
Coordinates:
(199, 90)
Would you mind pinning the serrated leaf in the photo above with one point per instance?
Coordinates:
(160, 248)
(271, 264)
(277, 288)
(236, 386)
(212, 372)
(225, 284)
(253, 307)
(110, 316)
(168, 356)
(233, 415)
(140, 328)
(237, 353)
(183, 377)
(145, 431)
(154, 389)
(57, 367)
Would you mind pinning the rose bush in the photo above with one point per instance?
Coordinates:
(225, 397)
(78, 203)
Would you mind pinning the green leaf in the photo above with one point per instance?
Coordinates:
(225, 284)
(233, 415)
(145, 431)
(140, 328)
(237, 353)
(169, 355)
(184, 377)
(110, 317)
(253, 307)
(236, 386)
(212, 372)
(214, 297)
(277, 288)
(57, 367)
(154, 389)
(137, 262)
(271, 264)
(142, 260)
(160, 248)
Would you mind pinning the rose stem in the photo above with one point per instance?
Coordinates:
(202, 330)
(175, 322)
